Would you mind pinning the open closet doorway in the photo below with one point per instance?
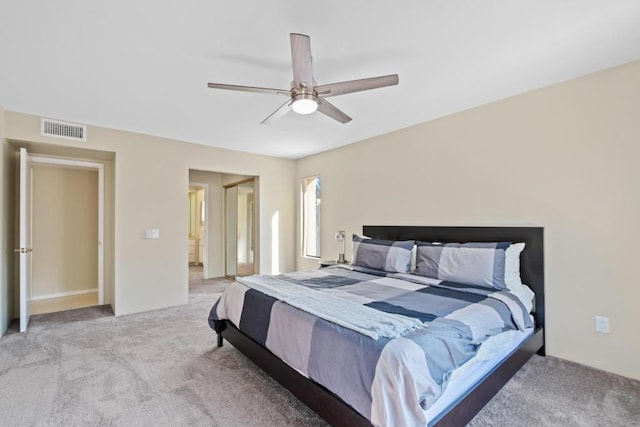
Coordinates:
(67, 222)
(198, 230)
(240, 229)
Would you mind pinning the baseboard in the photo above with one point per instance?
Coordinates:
(64, 294)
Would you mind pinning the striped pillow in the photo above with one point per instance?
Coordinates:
(387, 255)
(480, 264)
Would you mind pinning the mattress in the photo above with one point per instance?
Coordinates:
(394, 376)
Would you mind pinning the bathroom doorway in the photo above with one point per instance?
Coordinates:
(240, 228)
(198, 199)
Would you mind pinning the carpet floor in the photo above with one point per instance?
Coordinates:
(87, 367)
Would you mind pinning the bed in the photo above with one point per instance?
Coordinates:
(472, 390)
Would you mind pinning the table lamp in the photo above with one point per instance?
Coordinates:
(339, 236)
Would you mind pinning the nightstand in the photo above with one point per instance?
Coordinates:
(327, 262)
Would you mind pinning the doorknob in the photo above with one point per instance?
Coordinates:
(23, 250)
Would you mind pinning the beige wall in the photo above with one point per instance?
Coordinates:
(151, 180)
(6, 228)
(65, 230)
(563, 157)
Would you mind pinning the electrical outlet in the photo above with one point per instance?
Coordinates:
(602, 324)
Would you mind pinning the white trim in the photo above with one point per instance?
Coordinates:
(30, 243)
(100, 168)
(65, 162)
(64, 294)
(100, 234)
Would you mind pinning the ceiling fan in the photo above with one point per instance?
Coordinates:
(305, 96)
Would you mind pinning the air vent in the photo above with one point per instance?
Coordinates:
(65, 130)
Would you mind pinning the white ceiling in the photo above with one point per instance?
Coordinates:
(143, 65)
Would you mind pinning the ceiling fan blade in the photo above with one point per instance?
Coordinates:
(301, 60)
(350, 86)
(249, 89)
(281, 111)
(327, 108)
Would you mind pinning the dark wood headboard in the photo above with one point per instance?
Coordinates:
(531, 259)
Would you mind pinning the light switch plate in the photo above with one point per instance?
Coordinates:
(602, 324)
(155, 233)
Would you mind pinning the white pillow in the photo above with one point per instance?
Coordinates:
(525, 295)
(512, 276)
(512, 266)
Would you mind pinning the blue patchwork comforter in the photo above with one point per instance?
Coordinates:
(390, 375)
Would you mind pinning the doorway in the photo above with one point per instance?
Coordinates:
(240, 230)
(64, 226)
(228, 239)
(198, 230)
(67, 270)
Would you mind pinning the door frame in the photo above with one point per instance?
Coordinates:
(40, 160)
(254, 220)
(205, 244)
(225, 224)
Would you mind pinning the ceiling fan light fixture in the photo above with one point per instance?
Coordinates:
(305, 96)
(304, 103)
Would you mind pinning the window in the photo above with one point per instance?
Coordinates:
(311, 216)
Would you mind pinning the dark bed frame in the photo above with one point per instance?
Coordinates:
(337, 413)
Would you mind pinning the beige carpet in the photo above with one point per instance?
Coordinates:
(553, 392)
(87, 367)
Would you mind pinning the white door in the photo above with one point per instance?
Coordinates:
(25, 238)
